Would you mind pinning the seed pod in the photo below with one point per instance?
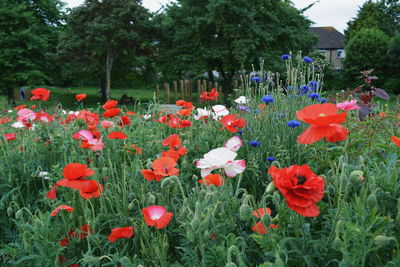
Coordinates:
(266, 220)
(382, 240)
(356, 177)
(245, 212)
(337, 244)
(371, 201)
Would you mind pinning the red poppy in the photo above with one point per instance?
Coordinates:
(110, 104)
(65, 241)
(259, 213)
(10, 136)
(156, 216)
(74, 171)
(61, 207)
(301, 188)
(214, 179)
(40, 94)
(150, 175)
(124, 121)
(172, 141)
(231, 123)
(84, 231)
(89, 188)
(112, 112)
(52, 194)
(396, 140)
(209, 95)
(130, 113)
(20, 107)
(324, 120)
(175, 153)
(261, 229)
(121, 232)
(117, 135)
(165, 166)
(80, 97)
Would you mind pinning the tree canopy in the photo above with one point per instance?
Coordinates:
(229, 36)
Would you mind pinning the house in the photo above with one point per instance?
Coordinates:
(331, 44)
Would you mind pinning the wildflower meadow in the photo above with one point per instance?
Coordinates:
(286, 174)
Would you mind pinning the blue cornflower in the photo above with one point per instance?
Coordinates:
(270, 159)
(304, 89)
(256, 111)
(314, 96)
(323, 100)
(267, 99)
(308, 59)
(254, 143)
(293, 123)
(256, 79)
(240, 132)
(314, 85)
(285, 57)
(243, 108)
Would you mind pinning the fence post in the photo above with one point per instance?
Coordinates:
(166, 87)
(158, 92)
(191, 90)
(182, 89)
(198, 90)
(204, 85)
(235, 88)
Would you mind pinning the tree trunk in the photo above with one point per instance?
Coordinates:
(228, 77)
(10, 96)
(211, 76)
(103, 89)
(109, 64)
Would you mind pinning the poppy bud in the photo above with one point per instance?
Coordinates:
(279, 262)
(266, 220)
(331, 190)
(337, 244)
(131, 206)
(275, 220)
(270, 188)
(342, 264)
(382, 240)
(152, 199)
(195, 178)
(195, 223)
(230, 264)
(245, 212)
(18, 214)
(10, 211)
(361, 160)
(190, 235)
(149, 164)
(356, 177)
(371, 201)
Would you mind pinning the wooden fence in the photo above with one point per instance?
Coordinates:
(189, 90)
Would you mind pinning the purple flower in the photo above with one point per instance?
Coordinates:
(270, 159)
(314, 85)
(254, 143)
(323, 100)
(313, 96)
(308, 59)
(267, 99)
(304, 89)
(256, 79)
(285, 57)
(293, 123)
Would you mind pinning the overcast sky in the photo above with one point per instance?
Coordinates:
(334, 13)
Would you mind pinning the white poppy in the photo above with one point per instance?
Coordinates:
(219, 111)
(18, 124)
(202, 112)
(241, 100)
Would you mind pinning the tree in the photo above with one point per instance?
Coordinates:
(392, 84)
(229, 36)
(100, 34)
(383, 15)
(366, 50)
(28, 40)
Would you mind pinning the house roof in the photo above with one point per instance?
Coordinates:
(328, 38)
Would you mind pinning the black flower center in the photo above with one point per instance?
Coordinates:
(301, 179)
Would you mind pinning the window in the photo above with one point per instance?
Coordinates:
(340, 53)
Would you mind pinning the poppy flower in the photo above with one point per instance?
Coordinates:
(221, 158)
(219, 111)
(61, 207)
(107, 124)
(348, 105)
(89, 188)
(172, 141)
(149, 175)
(259, 228)
(130, 113)
(124, 121)
(165, 166)
(231, 123)
(396, 140)
(74, 171)
(324, 120)
(156, 216)
(40, 94)
(241, 100)
(110, 104)
(259, 213)
(20, 107)
(84, 231)
(301, 188)
(202, 113)
(52, 194)
(121, 232)
(214, 179)
(111, 113)
(10, 136)
(175, 152)
(117, 135)
(65, 241)
(212, 95)
(80, 97)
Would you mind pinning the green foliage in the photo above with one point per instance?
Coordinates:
(28, 40)
(367, 50)
(229, 36)
(392, 84)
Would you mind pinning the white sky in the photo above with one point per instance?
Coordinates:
(334, 13)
